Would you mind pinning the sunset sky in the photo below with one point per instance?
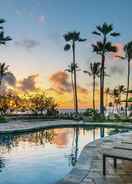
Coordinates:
(36, 55)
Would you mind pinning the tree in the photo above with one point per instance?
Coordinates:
(3, 39)
(51, 106)
(94, 71)
(4, 72)
(71, 38)
(40, 103)
(128, 56)
(102, 48)
(116, 93)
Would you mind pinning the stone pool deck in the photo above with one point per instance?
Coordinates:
(88, 169)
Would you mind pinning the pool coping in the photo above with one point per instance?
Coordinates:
(21, 126)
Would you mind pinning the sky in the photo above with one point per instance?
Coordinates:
(36, 53)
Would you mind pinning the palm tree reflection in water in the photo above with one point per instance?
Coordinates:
(74, 151)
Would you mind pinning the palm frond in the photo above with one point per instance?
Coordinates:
(99, 28)
(120, 57)
(67, 47)
(98, 48)
(67, 37)
(68, 70)
(110, 48)
(76, 36)
(2, 21)
(7, 38)
(107, 28)
(96, 33)
(115, 34)
(104, 29)
(82, 40)
(87, 72)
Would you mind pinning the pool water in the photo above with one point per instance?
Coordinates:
(44, 156)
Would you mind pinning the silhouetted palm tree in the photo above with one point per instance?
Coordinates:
(4, 72)
(94, 72)
(71, 38)
(128, 55)
(102, 48)
(3, 38)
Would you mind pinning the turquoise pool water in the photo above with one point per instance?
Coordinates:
(43, 157)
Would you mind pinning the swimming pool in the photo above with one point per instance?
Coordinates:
(43, 156)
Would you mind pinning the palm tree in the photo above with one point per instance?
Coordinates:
(94, 71)
(128, 55)
(3, 38)
(4, 72)
(71, 38)
(102, 48)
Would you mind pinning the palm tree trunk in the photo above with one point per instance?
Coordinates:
(102, 86)
(73, 88)
(94, 92)
(128, 81)
(75, 81)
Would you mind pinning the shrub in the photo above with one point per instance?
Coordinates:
(3, 119)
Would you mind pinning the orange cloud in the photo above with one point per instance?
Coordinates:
(28, 83)
(60, 81)
(60, 137)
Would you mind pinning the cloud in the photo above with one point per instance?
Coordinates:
(10, 79)
(82, 90)
(117, 69)
(29, 83)
(60, 81)
(41, 19)
(27, 44)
